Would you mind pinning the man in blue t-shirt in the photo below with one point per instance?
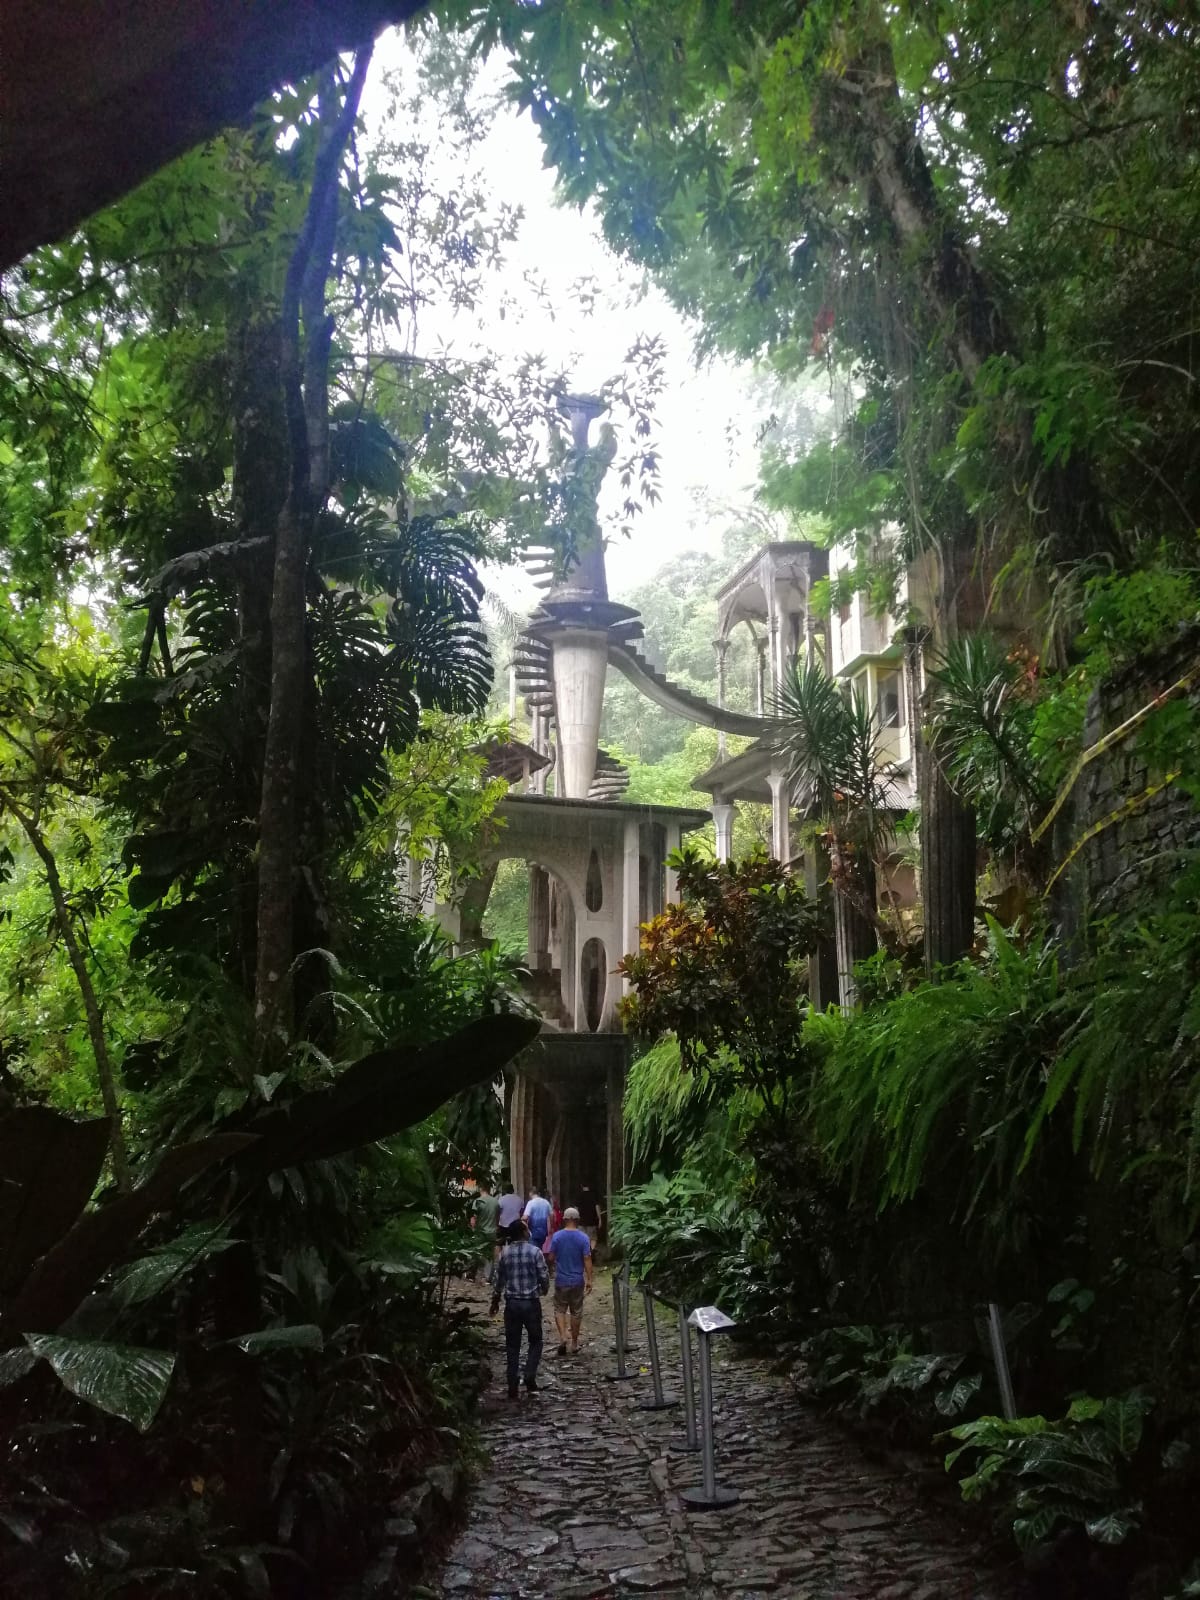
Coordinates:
(537, 1217)
(571, 1251)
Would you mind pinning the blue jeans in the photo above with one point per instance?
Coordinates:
(518, 1315)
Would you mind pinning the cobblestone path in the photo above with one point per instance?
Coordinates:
(581, 1497)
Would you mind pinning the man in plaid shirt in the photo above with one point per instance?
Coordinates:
(522, 1278)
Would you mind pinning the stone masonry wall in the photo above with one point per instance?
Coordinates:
(1125, 857)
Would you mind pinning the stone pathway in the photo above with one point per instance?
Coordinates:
(581, 1497)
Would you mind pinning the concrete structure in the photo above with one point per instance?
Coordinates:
(597, 864)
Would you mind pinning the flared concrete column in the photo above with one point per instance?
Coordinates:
(522, 1111)
(723, 820)
(781, 822)
(580, 663)
(631, 884)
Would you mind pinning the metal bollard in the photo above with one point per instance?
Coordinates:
(620, 1319)
(620, 1289)
(1008, 1403)
(658, 1401)
(692, 1439)
(707, 1321)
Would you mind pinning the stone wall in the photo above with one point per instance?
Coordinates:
(1141, 849)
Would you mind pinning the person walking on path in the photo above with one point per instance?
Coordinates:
(571, 1251)
(589, 1216)
(537, 1217)
(485, 1219)
(511, 1206)
(522, 1279)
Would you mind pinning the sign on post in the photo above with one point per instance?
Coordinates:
(708, 1321)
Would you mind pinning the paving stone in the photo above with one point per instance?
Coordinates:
(580, 1499)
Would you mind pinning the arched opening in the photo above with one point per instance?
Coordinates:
(530, 912)
(593, 888)
(593, 975)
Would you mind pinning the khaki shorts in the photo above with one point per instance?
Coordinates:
(569, 1299)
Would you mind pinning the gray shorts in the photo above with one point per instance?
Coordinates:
(569, 1299)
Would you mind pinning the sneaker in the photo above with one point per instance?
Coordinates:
(562, 1349)
(531, 1386)
(512, 1393)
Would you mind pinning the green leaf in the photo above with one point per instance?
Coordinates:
(1085, 1409)
(121, 1379)
(295, 1336)
(949, 1402)
(1115, 1527)
(1122, 1418)
(141, 1280)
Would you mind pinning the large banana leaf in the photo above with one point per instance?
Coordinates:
(100, 1238)
(383, 1093)
(122, 1379)
(49, 1165)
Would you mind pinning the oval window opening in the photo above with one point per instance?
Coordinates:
(593, 889)
(593, 974)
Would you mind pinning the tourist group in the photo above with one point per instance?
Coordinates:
(533, 1238)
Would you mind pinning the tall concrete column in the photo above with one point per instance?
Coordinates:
(631, 885)
(781, 822)
(541, 742)
(539, 919)
(523, 1133)
(674, 834)
(776, 648)
(723, 820)
(760, 688)
(721, 650)
(580, 658)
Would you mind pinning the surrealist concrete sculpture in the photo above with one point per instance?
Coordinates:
(598, 864)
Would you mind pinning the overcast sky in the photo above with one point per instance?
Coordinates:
(706, 425)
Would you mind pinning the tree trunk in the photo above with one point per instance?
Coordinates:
(947, 833)
(91, 1006)
(307, 421)
(823, 962)
(855, 934)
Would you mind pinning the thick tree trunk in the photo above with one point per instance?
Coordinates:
(947, 834)
(307, 420)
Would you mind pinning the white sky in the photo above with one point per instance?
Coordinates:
(705, 419)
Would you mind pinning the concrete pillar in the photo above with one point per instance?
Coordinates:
(722, 811)
(521, 1114)
(540, 740)
(539, 919)
(631, 884)
(580, 658)
(781, 826)
(721, 650)
(760, 687)
(674, 834)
